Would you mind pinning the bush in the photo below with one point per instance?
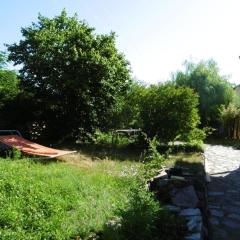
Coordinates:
(144, 219)
(110, 138)
(169, 112)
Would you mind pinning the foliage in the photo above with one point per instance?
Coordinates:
(8, 82)
(229, 113)
(153, 160)
(196, 135)
(75, 75)
(169, 112)
(126, 114)
(109, 138)
(213, 89)
(230, 117)
(144, 218)
(15, 154)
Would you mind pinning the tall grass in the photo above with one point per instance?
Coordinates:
(77, 198)
(56, 201)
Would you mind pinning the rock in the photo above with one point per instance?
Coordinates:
(231, 223)
(190, 212)
(232, 209)
(161, 183)
(214, 221)
(236, 203)
(184, 197)
(194, 236)
(215, 194)
(216, 213)
(178, 178)
(219, 233)
(162, 174)
(195, 224)
(177, 171)
(234, 216)
(172, 208)
(210, 206)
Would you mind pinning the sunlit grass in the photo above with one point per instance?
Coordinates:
(59, 200)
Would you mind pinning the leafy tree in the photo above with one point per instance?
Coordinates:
(8, 82)
(213, 89)
(74, 74)
(126, 114)
(169, 112)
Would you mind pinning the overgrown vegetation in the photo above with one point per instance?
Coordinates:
(57, 201)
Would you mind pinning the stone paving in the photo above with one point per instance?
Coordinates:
(223, 165)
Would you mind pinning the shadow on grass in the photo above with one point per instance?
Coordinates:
(103, 151)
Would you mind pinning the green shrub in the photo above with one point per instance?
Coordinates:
(152, 158)
(110, 138)
(169, 112)
(144, 219)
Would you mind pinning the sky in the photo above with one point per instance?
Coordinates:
(156, 36)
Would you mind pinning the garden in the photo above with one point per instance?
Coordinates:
(75, 90)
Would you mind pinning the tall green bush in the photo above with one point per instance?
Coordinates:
(169, 112)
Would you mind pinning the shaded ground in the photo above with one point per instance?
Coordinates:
(222, 163)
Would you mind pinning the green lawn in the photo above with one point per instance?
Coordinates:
(77, 197)
(57, 200)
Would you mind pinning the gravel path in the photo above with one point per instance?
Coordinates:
(223, 164)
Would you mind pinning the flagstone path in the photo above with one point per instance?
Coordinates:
(223, 165)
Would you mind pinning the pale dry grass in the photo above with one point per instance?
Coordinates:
(106, 165)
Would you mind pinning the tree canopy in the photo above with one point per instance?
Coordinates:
(73, 74)
(126, 113)
(8, 82)
(213, 89)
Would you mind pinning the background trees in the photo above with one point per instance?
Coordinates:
(73, 74)
(8, 82)
(126, 113)
(73, 82)
(213, 89)
(9, 90)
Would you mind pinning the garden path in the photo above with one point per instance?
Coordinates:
(223, 166)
